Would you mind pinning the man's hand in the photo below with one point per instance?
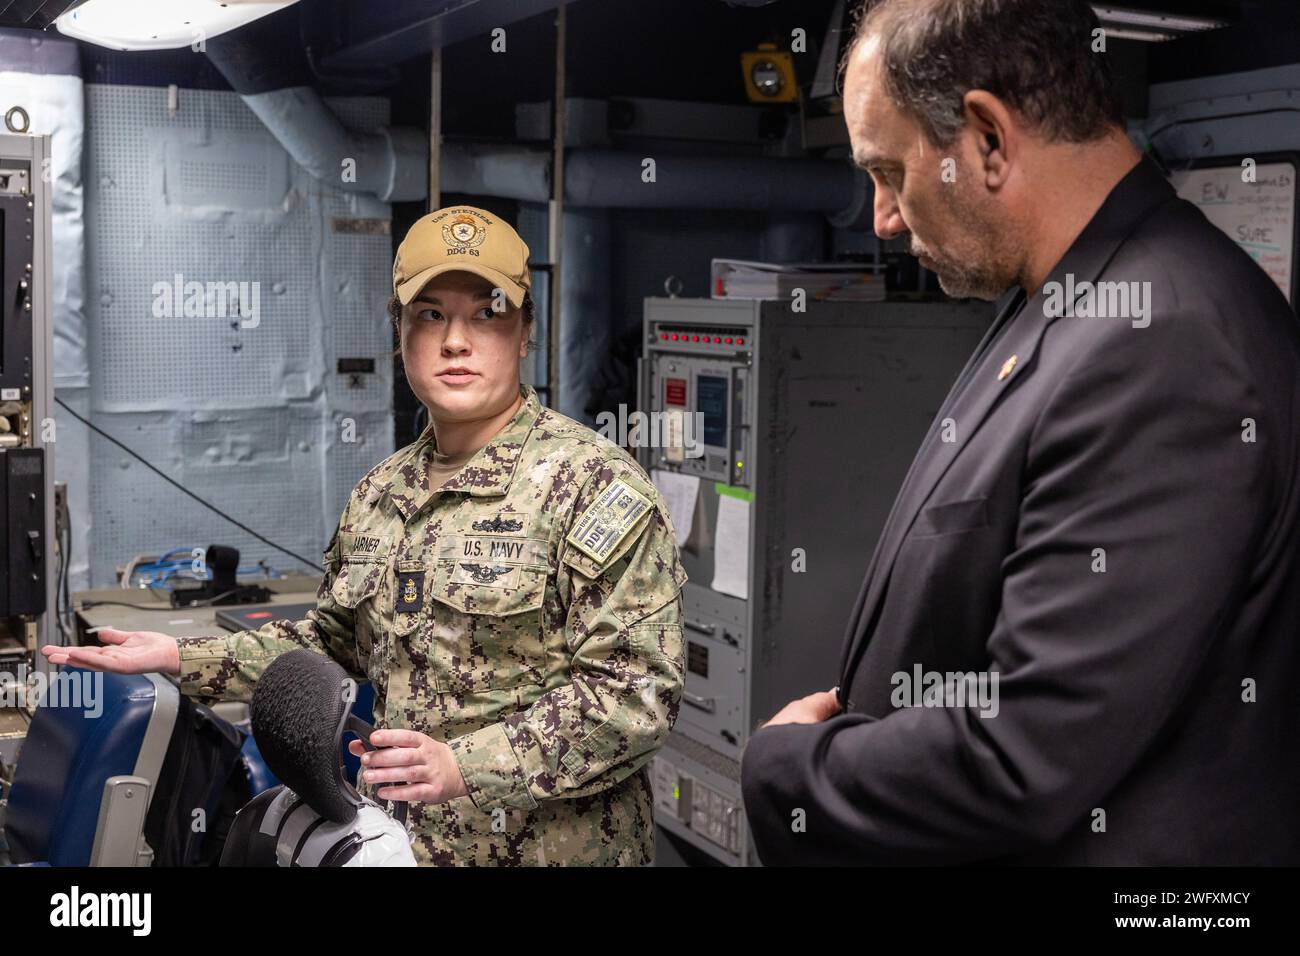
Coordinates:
(812, 709)
(124, 652)
(425, 767)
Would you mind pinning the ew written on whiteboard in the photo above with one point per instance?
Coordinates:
(1259, 216)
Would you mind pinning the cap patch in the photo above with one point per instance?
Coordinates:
(463, 235)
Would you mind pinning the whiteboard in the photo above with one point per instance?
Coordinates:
(1259, 216)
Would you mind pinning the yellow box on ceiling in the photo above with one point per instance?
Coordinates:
(769, 75)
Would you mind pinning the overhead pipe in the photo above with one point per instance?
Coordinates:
(392, 163)
(613, 179)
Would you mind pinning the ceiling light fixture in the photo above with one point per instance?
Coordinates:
(1150, 26)
(160, 24)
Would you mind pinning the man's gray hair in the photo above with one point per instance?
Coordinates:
(1034, 55)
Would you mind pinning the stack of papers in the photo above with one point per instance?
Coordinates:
(835, 282)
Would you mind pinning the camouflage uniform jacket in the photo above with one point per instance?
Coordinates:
(527, 614)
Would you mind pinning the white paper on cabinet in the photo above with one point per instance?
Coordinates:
(731, 547)
(680, 492)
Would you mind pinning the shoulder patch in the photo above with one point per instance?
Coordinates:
(616, 511)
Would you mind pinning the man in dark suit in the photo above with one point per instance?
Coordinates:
(1078, 640)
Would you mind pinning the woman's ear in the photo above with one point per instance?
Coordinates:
(525, 331)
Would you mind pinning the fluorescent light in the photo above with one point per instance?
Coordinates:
(160, 24)
(1146, 36)
(1157, 26)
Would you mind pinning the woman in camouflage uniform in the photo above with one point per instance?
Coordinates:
(509, 583)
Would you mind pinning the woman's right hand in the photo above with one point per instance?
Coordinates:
(124, 652)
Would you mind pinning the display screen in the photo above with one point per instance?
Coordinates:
(711, 399)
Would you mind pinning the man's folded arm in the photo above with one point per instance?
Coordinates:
(1130, 454)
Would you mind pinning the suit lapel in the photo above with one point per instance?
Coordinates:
(1007, 312)
(989, 375)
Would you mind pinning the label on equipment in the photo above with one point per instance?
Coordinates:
(675, 435)
(675, 391)
(10, 394)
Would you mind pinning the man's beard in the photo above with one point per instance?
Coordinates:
(970, 281)
(973, 266)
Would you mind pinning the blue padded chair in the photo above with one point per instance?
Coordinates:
(255, 769)
(83, 783)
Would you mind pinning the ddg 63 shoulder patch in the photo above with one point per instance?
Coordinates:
(616, 511)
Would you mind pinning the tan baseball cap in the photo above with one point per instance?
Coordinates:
(462, 238)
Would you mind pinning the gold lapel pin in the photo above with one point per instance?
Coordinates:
(1007, 367)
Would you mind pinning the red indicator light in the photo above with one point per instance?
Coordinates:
(664, 336)
(695, 338)
(740, 341)
(728, 339)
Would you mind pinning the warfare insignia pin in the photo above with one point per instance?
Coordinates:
(484, 575)
(1007, 367)
(410, 591)
(497, 525)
